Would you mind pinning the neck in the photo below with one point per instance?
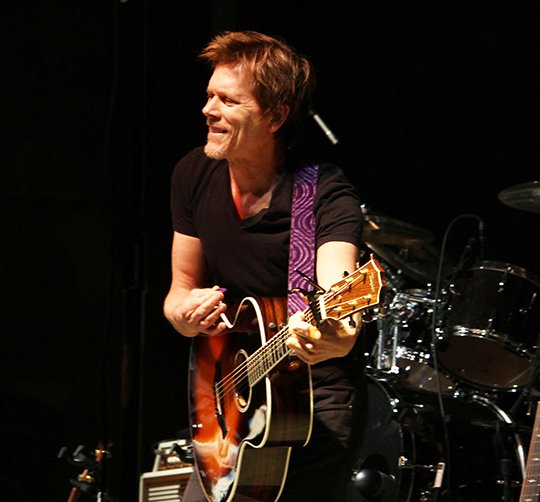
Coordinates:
(253, 181)
(256, 175)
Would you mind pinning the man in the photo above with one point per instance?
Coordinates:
(231, 210)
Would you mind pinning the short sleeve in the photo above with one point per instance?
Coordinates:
(338, 209)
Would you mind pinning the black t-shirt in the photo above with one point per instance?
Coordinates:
(250, 257)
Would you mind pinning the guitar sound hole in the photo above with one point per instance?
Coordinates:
(242, 390)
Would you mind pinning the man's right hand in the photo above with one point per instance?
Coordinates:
(198, 312)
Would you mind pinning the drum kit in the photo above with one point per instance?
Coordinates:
(452, 371)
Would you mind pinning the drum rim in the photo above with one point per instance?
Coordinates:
(500, 266)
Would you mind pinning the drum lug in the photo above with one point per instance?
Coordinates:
(405, 463)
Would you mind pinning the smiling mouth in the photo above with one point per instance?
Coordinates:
(215, 130)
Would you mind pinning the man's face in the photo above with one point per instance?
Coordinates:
(237, 127)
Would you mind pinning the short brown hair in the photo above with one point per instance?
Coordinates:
(281, 75)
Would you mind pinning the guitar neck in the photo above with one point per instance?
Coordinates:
(355, 292)
(267, 357)
(531, 482)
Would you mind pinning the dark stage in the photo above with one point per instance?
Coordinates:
(436, 110)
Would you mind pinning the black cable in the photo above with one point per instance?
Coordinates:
(434, 320)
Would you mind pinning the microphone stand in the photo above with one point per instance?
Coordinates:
(320, 122)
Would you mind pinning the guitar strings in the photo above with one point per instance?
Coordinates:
(236, 378)
(233, 380)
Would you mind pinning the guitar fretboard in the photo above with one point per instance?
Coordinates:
(355, 292)
(267, 357)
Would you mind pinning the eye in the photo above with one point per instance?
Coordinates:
(228, 100)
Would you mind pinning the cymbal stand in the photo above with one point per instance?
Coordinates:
(379, 346)
(396, 332)
(393, 322)
(384, 363)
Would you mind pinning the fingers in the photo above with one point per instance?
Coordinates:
(301, 348)
(335, 328)
(201, 303)
(210, 324)
(314, 345)
(303, 330)
(201, 310)
(303, 339)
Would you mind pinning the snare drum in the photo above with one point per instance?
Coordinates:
(491, 326)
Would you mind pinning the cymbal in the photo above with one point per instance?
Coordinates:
(420, 263)
(383, 230)
(525, 196)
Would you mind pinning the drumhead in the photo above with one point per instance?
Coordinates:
(516, 270)
(491, 326)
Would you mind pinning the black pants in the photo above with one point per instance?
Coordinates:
(321, 470)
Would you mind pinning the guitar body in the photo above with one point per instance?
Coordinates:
(243, 431)
(251, 401)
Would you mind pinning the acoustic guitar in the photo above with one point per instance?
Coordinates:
(251, 399)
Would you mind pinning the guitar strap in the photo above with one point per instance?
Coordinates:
(302, 242)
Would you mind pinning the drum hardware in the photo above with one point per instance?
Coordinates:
(525, 196)
(527, 390)
(511, 426)
(407, 455)
(451, 442)
(372, 483)
(403, 350)
(402, 310)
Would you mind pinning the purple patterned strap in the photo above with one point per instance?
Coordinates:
(302, 245)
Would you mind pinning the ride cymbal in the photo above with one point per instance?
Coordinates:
(383, 230)
(420, 263)
(525, 196)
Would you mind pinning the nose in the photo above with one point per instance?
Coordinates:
(209, 108)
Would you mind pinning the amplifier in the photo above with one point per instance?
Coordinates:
(164, 486)
(170, 474)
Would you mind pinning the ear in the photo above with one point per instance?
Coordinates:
(278, 117)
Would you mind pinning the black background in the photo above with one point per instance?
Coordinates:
(435, 106)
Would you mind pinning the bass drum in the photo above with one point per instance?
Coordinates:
(403, 456)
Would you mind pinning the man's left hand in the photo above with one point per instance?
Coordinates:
(313, 345)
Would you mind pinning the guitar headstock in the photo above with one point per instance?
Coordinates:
(357, 291)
